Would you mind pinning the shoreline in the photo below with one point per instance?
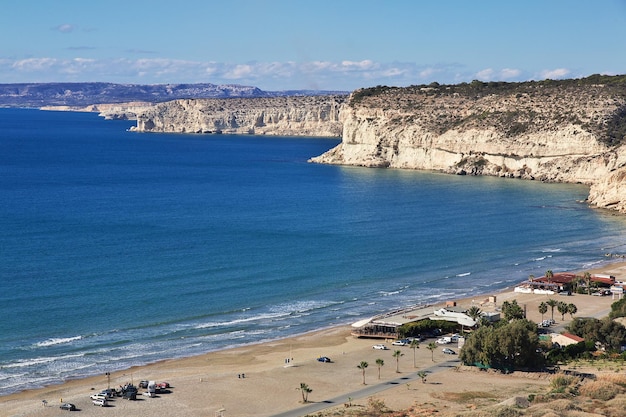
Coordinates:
(207, 382)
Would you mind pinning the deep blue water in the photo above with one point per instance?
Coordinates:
(121, 248)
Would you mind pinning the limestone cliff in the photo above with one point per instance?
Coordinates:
(287, 116)
(569, 131)
(110, 111)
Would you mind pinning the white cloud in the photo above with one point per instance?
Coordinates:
(34, 64)
(331, 75)
(555, 73)
(485, 74)
(65, 28)
(505, 74)
(240, 72)
(510, 73)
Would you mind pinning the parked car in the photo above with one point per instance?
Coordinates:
(444, 340)
(401, 342)
(324, 359)
(68, 407)
(109, 392)
(143, 384)
(163, 385)
(448, 351)
(102, 402)
(380, 347)
(98, 396)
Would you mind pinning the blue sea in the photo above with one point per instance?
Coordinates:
(120, 248)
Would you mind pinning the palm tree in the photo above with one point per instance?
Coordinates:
(422, 375)
(432, 346)
(380, 363)
(362, 366)
(587, 278)
(543, 309)
(474, 313)
(415, 344)
(562, 307)
(549, 275)
(572, 309)
(552, 303)
(397, 354)
(305, 390)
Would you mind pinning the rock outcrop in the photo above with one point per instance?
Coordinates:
(565, 131)
(115, 111)
(287, 116)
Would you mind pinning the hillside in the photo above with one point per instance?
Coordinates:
(565, 131)
(85, 94)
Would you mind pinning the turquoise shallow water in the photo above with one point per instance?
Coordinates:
(119, 248)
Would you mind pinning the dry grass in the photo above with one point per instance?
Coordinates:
(617, 379)
(601, 390)
(464, 396)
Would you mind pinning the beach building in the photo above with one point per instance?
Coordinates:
(565, 339)
(564, 281)
(386, 326)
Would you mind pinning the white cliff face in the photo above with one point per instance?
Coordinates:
(545, 135)
(532, 131)
(286, 116)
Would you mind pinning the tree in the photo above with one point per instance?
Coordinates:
(587, 278)
(432, 346)
(305, 390)
(415, 344)
(512, 310)
(422, 375)
(609, 333)
(549, 275)
(562, 307)
(363, 366)
(618, 309)
(572, 309)
(474, 313)
(552, 303)
(380, 364)
(508, 347)
(397, 354)
(543, 309)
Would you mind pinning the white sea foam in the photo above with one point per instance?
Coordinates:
(25, 363)
(388, 293)
(57, 341)
(259, 317)
(464, 274)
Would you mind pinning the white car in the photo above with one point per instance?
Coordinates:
(102, 402)
(99, 396)
(380, 347)
(443, 341)
(401, 342)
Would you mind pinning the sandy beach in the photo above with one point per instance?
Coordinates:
(256, 380)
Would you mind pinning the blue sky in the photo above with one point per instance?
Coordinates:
(298, 44)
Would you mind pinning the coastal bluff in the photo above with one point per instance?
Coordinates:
(285, 116)
(552, 130)
(557, 131)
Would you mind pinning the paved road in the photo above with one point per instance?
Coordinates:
(367, 391)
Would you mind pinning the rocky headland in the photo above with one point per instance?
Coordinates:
(286, 116)
(558, 131)
(562, 131)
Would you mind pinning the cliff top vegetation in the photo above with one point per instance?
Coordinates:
(595, 104)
